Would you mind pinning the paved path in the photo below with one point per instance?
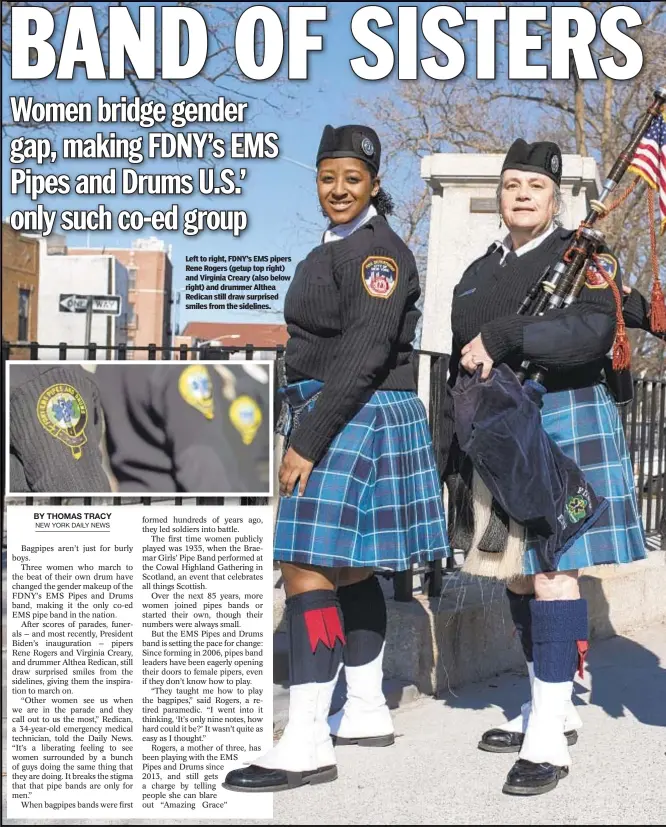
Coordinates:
(435, 775)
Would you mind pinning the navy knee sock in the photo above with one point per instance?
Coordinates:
(559, 635)
(316, 637)
(364, 612)
(519, 604)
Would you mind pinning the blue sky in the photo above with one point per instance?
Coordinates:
(279, 195)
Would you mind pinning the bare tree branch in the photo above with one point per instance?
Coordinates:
(220, 75)
(591, 118)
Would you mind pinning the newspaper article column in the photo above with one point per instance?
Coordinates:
(139, 660)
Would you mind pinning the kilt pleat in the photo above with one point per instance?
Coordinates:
(374, 499)
(586, 425)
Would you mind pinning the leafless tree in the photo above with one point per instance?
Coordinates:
(418, 118)
(220, 75)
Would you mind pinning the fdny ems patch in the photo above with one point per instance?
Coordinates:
(379, 275)
(62, 411)
(246, 417)
(594, 279)
(196, 388)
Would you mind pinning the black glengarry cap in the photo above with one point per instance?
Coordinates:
(543, 156)
(350, 141)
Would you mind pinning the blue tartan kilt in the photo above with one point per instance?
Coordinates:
(586, 425)
(374, 499)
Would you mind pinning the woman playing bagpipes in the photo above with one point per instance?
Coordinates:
(579, 415)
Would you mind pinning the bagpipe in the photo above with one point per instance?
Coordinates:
(518, 476)
(560, 285)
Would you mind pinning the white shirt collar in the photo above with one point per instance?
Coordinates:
(506, 246)
(337, 232)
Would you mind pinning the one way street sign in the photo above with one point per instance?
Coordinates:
(73, 303)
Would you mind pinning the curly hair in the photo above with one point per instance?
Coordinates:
(383, 202)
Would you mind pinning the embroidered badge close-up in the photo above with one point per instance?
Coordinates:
(576, 506)
(196, 389)
(595, 278)
(380, 276)
(62, 411)
(246, 417)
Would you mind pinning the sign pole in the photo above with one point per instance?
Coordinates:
(89, 310)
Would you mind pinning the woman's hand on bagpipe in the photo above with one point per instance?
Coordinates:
(294, 468)
(475, 355)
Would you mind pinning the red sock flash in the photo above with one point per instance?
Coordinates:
(324, 625)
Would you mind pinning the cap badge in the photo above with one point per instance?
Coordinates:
(368, 147)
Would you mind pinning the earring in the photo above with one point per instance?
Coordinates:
(499, 226)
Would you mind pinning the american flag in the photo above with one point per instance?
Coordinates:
(650, 162)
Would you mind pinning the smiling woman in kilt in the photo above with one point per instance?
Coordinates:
(358, 482)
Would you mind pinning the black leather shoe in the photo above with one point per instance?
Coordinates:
(527, 778)
(254, 779)
(369, 741)
(498, 740)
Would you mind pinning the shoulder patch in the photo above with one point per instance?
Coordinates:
(62, 411)
(595, 276)
(196, 388)
(379, 275)
(246, 417)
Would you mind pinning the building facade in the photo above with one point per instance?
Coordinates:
(264, 338)
(150, 276)
(63, 274)
(20, 289)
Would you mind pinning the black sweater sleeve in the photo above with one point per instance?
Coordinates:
(370, 324)
(636, 312)
(567, 337)
(17, 481)
(46, 452)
